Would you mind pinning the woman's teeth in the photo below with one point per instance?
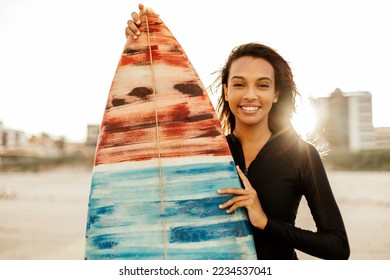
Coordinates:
(250, 108)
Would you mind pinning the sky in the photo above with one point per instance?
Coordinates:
(58, 57)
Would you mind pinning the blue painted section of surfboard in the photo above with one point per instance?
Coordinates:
(117, 227)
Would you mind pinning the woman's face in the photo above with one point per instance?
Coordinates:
(251, 91)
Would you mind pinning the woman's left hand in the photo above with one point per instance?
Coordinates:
(247, 198)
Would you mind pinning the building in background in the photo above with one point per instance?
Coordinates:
(1, 133)
(15, 143)
(346, 120)
(92, 135)
(382, 137)
(11, 138)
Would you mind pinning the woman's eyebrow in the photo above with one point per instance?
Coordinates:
(259, 79)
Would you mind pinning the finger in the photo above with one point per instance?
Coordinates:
(129, 33)
(136, 18)
(141, 8)
(132, 29)
(235, 206)
(235, 191)
(244, 179)
(240, 173)
(232, 201)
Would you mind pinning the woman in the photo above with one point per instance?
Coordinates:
(276, 166)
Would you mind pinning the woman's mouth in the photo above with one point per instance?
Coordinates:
(250, 108)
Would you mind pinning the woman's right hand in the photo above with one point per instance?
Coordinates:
(132, 24)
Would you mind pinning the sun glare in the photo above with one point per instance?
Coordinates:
(305, 119)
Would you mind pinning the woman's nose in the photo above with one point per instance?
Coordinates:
(250, 93)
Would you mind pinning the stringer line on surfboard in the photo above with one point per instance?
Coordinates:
(157, 139)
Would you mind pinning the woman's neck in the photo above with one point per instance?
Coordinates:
(252, 135)
(252, 141)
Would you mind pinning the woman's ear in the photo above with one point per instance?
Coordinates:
(276, 97)
(225, 92)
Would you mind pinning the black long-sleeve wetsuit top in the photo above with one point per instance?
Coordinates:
(286, 169)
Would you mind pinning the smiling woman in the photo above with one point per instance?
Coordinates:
(278, 167)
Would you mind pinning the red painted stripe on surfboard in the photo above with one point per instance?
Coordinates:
(169, 149)
(135, 55)
(159, 57)
(175, 124)
(123, 136)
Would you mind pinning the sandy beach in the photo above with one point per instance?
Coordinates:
(43, 215)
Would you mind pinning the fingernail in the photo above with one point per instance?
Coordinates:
(228, 211)
(220, 206)
(134, 37)
(219, 191)
(138, 33)
(139, 21)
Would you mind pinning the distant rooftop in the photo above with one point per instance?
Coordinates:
(339, 92)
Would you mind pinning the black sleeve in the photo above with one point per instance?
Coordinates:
(330, 241)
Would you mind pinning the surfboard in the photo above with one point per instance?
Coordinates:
(161, 156)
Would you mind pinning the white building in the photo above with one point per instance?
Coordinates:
(1, 133)
(12, 138)
(382, 137)
(346, 118)
(92, 135)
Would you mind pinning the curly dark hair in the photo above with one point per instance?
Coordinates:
(281, 113)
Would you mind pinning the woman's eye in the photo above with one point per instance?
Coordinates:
(263, 85)
(238, 85)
